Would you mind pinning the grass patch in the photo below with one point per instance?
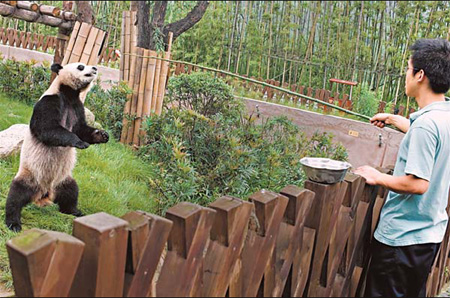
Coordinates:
(110, 177)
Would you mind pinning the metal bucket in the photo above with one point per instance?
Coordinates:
(325, 170)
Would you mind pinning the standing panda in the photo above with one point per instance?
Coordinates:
(48, 156)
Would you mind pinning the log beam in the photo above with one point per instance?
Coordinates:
(31, 16)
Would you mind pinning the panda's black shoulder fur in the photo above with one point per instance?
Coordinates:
(46, 121)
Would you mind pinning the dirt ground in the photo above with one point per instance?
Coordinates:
(5, 293)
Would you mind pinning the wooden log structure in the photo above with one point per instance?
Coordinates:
(312, 242)
(33, 12)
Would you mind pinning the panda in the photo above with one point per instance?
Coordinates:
(48, 156)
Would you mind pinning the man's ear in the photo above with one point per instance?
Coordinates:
(56, 68)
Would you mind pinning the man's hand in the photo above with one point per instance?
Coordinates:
(370, 174)
(380, 120)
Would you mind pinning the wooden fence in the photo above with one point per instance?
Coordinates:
(45, 43)
(313, 241)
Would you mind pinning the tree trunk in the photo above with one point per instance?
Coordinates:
(85, 12)
(357, 41)
(230, 48)
(143, 15)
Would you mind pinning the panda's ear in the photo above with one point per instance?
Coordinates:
(56, 68)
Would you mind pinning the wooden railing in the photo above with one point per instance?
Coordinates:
(313, 241)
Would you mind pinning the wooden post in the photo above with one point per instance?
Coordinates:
(322, 218)
(147, 236)
(102, 268)
(260, 243)
(182, 273)
(225, 247)
(280, 274)
(43, 263)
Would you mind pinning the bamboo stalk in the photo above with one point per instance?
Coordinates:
(88, 48)
(163, 77)
(99, 41)
(134, 99)
(126, 56)
(122, 49)
(71, 44)
(150, 80)
(28, 5)
(126, 53)
(80, 43)
(140, 103)
(133, 43)
(156, 85)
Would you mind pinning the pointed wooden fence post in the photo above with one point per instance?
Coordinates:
(102, 268)
(44, 263)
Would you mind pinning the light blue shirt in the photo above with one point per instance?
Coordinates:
(424, 152)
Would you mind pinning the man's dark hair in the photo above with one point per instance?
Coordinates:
(433, 57)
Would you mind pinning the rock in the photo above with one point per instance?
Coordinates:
(90, 117)
(11, 140)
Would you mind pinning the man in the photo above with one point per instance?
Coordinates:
(413, 220)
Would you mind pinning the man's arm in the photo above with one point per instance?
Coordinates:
(398, 121)
(408, 184)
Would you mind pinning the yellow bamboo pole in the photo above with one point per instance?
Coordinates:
(163, 77)
(83, 34)
(95, 54)
(134, 98)
(122, 48)
(141, 95)
(87, 51)
(150, 79)
(126, 53)
(156, 85)
(71, 43)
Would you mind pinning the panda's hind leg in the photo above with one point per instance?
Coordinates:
(66, 196)
(20, 194)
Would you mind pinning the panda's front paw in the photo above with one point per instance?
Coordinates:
(14, 226)
(101, 136)
(81, 145)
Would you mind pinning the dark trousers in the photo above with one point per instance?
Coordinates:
(399, 271)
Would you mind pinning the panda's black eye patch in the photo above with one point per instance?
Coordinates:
(80, 67)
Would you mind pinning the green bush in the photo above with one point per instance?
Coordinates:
(198, 158)
(23, 81)
(368, 101)
(108, 105)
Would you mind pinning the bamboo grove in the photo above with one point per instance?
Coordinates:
(298, 42)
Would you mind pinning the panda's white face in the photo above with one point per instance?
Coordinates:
(77, 75)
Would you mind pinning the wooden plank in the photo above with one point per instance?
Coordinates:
(80, 43)
(71, 44)
(260, 243)
(87, 50)
(147, 236)
(323, 218)
(182, 272)
(302, 263)
(40, 264)
(104, 258)
(288, 244)
(225, 246)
